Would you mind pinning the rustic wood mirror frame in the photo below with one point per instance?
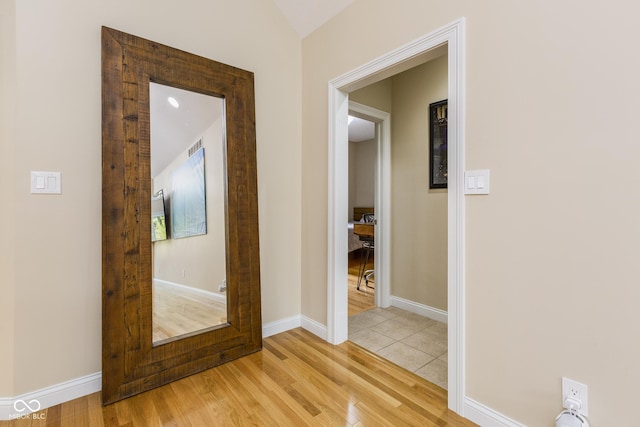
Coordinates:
(131, 363)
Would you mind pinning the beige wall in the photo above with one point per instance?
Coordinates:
(552, 253)
(362, 174)
(419, 215)
(7, 178)
(57, 249)
(377, 95)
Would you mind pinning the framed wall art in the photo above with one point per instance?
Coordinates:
(438, 144)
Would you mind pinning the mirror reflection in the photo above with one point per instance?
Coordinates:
(188, 180)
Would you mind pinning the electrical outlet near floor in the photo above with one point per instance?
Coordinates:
(577, 391)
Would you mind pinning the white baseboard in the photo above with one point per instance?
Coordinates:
(485, 416)
(314, 327)
(48, 397)
(218, 296)
(282, 325)
(421, 309)
(6, 408)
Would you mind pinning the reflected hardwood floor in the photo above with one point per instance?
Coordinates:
(296, 380)
(179, 311)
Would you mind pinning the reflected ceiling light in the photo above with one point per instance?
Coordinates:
(174, 102)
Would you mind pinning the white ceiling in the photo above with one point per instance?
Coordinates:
(360, 129)
(174, 130)
(306, 16)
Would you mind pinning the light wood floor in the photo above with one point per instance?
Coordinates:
(179, 311)
(296, 380)
(363, 299)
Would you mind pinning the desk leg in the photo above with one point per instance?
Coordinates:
(363, 265)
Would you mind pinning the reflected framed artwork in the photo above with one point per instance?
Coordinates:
(188, 207)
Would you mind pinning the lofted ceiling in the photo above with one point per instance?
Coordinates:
(306, 16)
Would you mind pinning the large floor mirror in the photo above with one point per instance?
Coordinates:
(181, 288)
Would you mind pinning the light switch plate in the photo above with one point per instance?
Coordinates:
(45, 182)
(476, 181)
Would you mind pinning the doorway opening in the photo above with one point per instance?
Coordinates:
(412, 332)
(372, 198)
(451, 38)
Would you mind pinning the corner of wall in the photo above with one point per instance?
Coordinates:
(7, 177)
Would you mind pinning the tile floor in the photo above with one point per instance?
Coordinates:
(415, 342)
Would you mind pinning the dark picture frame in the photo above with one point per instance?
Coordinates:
(158, 217)
(438, 149)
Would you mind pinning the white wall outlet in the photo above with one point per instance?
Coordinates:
(576, 391)
(222, 287)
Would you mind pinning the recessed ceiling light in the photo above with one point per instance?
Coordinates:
(174, 102)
